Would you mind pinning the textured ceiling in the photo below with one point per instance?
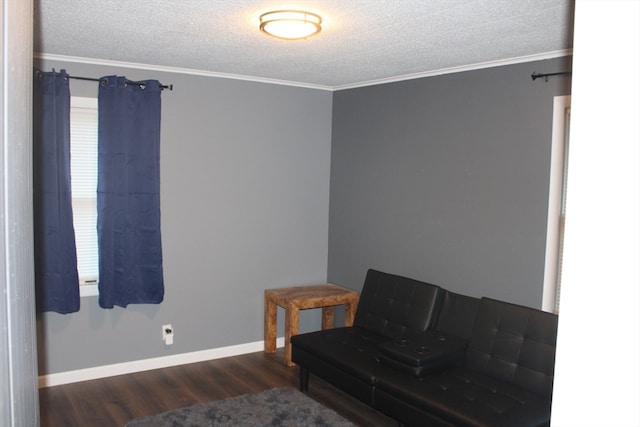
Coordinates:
(362, 41)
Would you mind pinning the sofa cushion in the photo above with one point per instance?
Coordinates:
(514, 344)
(393, 306)
(462, 397)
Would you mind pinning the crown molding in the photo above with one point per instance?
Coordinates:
(452, 70)
(189, 71)
(176, 70)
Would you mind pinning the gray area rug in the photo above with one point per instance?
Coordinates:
(284, 406)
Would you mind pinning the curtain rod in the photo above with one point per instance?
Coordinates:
(91, 79)
(546, 76)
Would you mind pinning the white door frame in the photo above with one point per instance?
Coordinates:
(556, 188)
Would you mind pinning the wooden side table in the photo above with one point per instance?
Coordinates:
(325, 296)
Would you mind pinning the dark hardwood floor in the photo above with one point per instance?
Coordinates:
(115, 400)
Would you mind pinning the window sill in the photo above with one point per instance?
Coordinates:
(89, 290)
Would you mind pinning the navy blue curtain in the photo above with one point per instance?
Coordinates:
(129, 240)
(56, 272)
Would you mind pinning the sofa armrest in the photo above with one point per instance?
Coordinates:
(428, 352)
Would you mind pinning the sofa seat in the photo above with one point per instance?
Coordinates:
(345, 357)
(461, 397)
(353, 350)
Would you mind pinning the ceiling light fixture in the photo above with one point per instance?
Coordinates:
(290, 24)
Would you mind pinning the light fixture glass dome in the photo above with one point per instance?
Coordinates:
(290, 24)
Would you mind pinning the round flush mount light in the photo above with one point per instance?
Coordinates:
(290, 24)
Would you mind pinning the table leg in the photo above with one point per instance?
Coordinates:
(270, 325)
(327, 317)
(291, 325)
(350, 313)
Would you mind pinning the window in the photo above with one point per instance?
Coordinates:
(84, 176)
(557, 198)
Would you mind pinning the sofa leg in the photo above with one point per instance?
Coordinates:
(304, 378)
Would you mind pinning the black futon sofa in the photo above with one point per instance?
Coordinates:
(429, 357)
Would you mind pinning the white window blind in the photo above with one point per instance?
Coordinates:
(84, 175)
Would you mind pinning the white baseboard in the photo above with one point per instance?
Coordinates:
(149, 364)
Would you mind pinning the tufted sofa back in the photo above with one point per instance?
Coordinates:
(515, 344)
(395, 306)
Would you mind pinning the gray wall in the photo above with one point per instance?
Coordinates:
(245, 196)
(445, 179)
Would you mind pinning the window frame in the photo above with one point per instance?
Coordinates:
(88, 285)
